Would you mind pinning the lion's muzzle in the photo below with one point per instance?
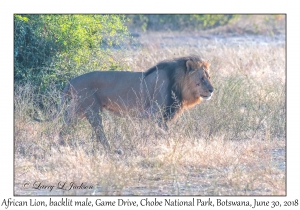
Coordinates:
(207, 97)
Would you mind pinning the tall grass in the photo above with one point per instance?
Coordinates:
(233, 144)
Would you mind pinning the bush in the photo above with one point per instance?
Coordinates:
(54, 48)
(179, 22)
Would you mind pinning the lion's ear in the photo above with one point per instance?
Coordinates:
(189, 66)
(207, 65)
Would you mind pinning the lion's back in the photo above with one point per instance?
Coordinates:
(98, 79)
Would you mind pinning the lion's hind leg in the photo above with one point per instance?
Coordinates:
(95, 120)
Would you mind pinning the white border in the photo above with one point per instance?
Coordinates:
(8, 8)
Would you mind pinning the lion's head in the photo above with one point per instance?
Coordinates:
(199, 79)
(193, 81)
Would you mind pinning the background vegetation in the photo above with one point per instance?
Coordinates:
(233, 144)
(54, 48)
(178, 22)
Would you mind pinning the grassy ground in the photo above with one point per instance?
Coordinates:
(233, 144)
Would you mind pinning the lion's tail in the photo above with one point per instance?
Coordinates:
(64, 94)
(60, 107)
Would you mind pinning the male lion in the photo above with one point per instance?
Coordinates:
(165, 90)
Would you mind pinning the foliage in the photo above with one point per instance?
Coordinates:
(54, 48)
(179, 22)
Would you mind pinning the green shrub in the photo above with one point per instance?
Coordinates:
(54, 48)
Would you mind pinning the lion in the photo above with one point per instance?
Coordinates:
(164, 90)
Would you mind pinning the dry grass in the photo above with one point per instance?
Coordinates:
(233, 144)
(172, 168)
